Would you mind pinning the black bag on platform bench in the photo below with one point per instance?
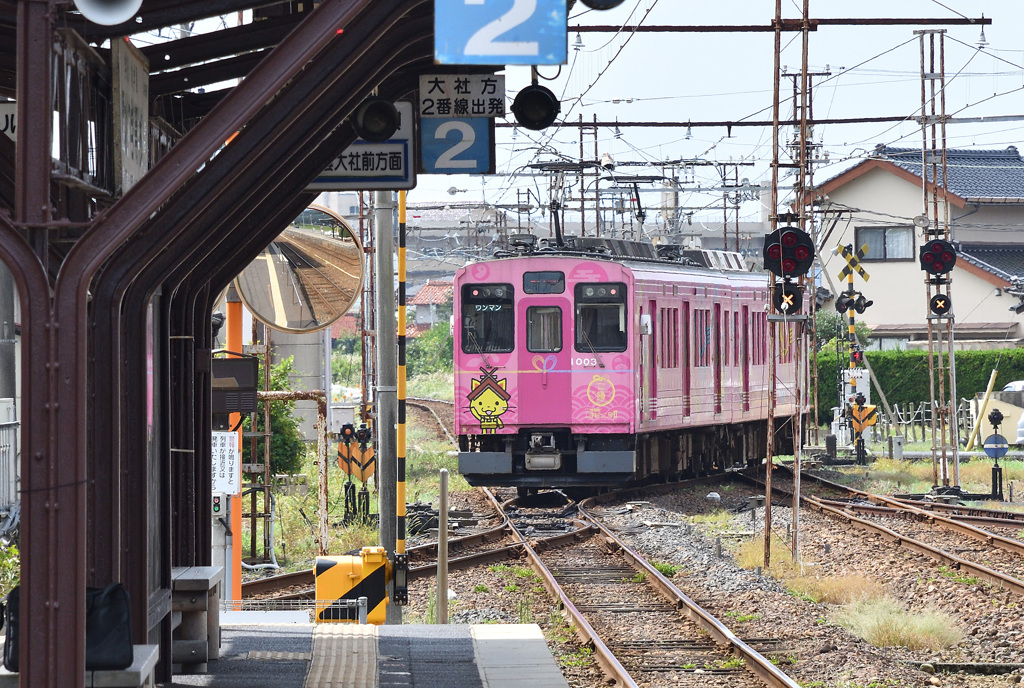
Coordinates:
(108, 628)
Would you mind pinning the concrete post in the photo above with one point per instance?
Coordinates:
(387, 381)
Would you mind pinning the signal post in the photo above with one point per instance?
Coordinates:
(859, 414)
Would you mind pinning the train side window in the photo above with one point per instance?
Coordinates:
(547, 282)
(488, 318)
(601, 317)
(544, 329)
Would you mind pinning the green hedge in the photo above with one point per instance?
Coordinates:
(904, 375)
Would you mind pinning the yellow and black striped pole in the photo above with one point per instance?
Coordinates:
(401, 562)
(853, 346)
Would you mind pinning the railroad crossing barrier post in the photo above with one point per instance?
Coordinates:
(997, 482)
(442, 550)
(362, 602)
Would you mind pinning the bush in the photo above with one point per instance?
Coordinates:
(286, 445)
(431, 351)
(835, 589)
(904, 375)
(884, 623)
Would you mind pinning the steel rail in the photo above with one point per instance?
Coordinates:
(755, 662)
(956, 525)
(958, 509)
(879, 509)
(995, 577)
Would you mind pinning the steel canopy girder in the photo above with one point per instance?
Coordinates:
(110, 289)
(161, 14)
(219, 44)
(54, 346)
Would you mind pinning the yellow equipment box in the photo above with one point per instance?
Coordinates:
(350, 577)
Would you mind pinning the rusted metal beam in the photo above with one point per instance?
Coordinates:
(220, 44)
(786, 25)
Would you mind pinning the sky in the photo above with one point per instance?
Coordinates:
(679, 77)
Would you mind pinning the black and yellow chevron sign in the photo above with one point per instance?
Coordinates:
(864, 416)
(853, 261)
(356, 460)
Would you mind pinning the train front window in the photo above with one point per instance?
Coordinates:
(488, 318)
(601, 317)
(544, 329)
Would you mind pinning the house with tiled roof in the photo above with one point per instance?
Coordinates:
(432, 302)
(876, 202)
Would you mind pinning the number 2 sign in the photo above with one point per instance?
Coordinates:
(457, 146)
(487, 32)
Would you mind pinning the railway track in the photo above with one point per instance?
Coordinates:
(993, 558)
(440, 410)
(642, 628)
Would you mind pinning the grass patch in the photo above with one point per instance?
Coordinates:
(480, 587)
(666, 569)
(436, 385)
(884, 623)
(742, 617)
(511, 587)
(524, 610)
(750, 554)
(955, 575)
(835, 589)
(886, 476)
(640, 577)
(524, 572)
(716, 520)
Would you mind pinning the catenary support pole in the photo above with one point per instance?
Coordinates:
(387, 385)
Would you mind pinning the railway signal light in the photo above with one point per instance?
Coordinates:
(787, 298)
(536, 107)
(938, 257)
(940, 304)
(376, 120)
(844, 302)
(857, 356)
(861, 304)
(788, 252)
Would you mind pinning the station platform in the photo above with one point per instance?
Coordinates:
(303, 655)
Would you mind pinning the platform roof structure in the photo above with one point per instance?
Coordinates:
(116, 280)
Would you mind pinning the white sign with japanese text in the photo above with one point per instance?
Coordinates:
(366, 166)
(9, 120)
(130, 70)
(227, 463)
(460, 96)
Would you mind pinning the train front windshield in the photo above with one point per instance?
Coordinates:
(488, 318)
(601, 317)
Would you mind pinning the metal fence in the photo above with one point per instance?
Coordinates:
(913, 421)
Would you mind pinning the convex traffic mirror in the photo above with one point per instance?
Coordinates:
(308, 277)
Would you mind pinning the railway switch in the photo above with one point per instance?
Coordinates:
(342, 580)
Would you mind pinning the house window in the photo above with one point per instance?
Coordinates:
(886, 243)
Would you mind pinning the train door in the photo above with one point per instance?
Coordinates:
(718, 357)
(652, 362)
(684, 346)
(545, 360)
(745, 357)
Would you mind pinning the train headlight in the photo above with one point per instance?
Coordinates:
(589, 291)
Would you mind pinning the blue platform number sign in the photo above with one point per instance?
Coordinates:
(457, 146)
(995, 446)
(488, 32)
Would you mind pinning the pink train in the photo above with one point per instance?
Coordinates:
(603, 362)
